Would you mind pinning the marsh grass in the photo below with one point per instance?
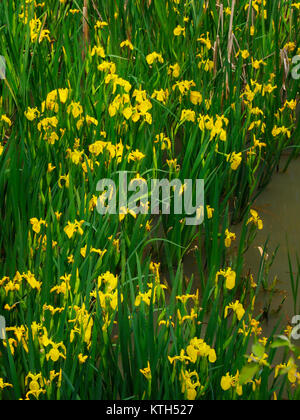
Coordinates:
(139, 319)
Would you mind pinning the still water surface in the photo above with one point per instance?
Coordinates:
(279, 207)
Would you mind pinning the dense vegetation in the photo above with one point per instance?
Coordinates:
(99, 307)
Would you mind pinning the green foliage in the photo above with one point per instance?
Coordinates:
(99, 307)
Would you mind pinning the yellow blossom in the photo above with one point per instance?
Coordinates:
(36, 224)
(55, 354)
(153, 57)
(99, 51)
(4, 384)
(147, 372)
(235, 160)
(71, 228)
(230, 277)
(32, 113)
(255, 219)
(179, 30)
(5, 119)
(237, 307)
(229, 238)
(126, 43)
(195, 97)
(82, 359)
(174, 70)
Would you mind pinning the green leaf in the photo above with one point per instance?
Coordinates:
(281, 341)
(248, 372)
(258, 350)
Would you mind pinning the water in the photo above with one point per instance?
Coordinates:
(279, 207)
